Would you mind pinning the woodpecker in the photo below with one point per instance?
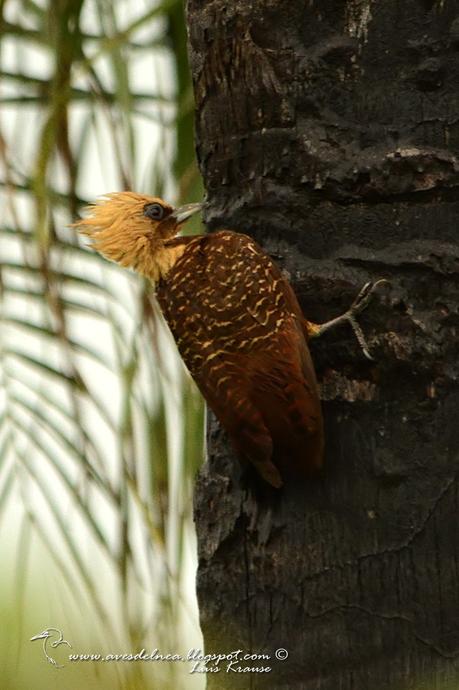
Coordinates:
(237, 323)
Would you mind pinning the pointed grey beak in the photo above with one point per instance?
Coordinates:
(182, 213)
(40, 636)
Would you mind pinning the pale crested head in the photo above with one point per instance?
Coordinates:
(132, 230)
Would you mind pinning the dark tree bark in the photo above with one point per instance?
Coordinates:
(328, 130)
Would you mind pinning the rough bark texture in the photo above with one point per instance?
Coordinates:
(328, 130)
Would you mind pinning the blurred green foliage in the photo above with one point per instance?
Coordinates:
(101, 428)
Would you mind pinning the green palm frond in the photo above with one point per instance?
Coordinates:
(101, 429)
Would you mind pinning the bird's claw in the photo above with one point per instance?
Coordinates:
(359, 304)
(363, 298)
(359, 334)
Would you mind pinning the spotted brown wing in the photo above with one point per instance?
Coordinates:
(239, 329)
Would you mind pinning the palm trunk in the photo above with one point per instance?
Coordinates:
(328, 130)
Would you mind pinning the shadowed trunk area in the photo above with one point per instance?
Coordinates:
(328, 131)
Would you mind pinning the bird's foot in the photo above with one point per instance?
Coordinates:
(359, 304)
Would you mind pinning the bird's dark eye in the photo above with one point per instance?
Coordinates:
(153, 211)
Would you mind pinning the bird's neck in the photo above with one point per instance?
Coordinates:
(163, 261)
(166, 257)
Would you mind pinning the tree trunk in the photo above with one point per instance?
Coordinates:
(327, 130)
